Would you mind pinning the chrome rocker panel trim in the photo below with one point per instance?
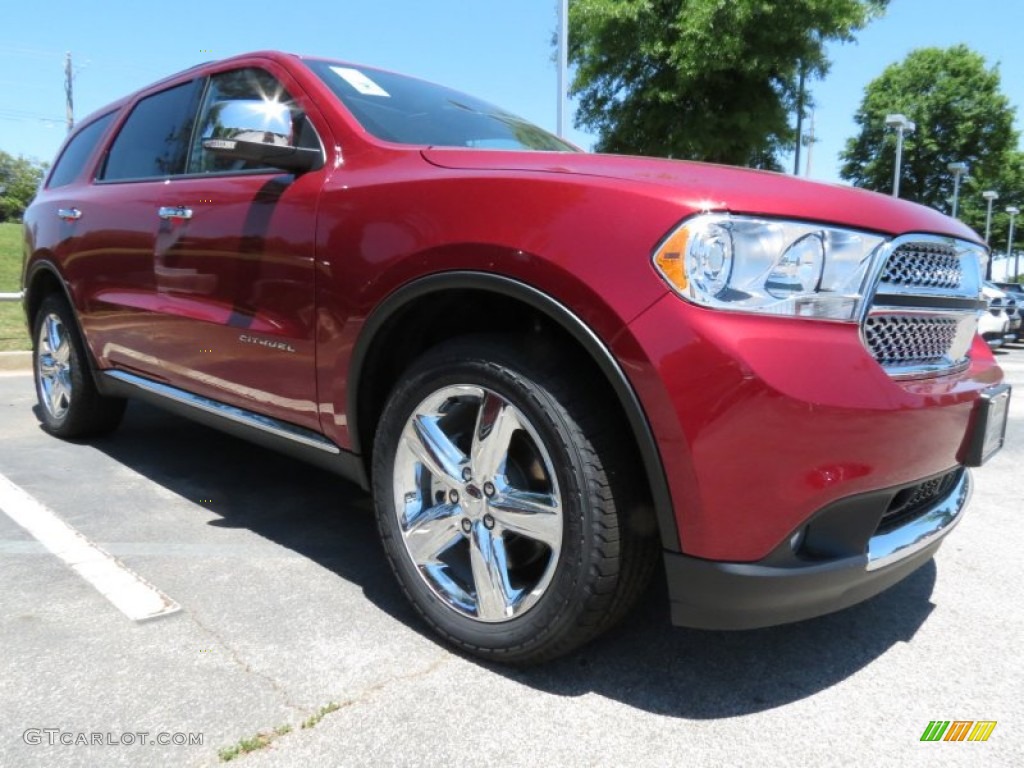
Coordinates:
(289, 439)
(229, 412)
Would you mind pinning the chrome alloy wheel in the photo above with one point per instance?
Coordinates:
(53, 366)
(478, 503)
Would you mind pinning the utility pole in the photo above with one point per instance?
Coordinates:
(563, 63)
(68, 78)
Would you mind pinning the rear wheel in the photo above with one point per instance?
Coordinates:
(504, 501)
(69, 403)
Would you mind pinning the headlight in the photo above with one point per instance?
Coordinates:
(773, 267)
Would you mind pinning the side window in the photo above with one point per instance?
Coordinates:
(78, 151)
(255, 97)
(153, 142)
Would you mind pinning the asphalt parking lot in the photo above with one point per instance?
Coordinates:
(288, 614)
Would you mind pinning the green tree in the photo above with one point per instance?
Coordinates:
(709, 80)
(19, 180)
(960, 115)
(1008, 181)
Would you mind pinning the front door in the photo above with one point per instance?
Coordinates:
(225, 308)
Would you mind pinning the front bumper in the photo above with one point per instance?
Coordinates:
(800, 580)
(762, 422)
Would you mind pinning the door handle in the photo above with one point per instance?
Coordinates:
(69, 214)
(174, 212)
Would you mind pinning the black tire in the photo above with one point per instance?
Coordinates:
(70, 406)
(608, 546)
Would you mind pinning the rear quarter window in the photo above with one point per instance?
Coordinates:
(78, 151)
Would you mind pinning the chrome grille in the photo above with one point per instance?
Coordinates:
(924, 313)
(927, 265)
(908, 339)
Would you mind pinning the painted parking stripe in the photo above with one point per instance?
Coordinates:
(130, 593)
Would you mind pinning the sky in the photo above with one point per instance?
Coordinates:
(499, 50)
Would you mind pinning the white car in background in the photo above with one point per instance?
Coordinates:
(994, 325)
(1014, 305)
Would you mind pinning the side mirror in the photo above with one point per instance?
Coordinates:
(258, 131)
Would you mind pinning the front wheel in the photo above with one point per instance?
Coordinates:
(504, 503)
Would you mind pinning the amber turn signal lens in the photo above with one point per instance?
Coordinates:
(671, 258)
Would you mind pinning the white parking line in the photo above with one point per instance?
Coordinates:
(130, 593)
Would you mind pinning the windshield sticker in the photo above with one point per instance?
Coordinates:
(360, 82)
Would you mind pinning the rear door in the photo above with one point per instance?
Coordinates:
(113, 262)
(54, 222)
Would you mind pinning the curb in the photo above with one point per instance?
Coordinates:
(15, 362)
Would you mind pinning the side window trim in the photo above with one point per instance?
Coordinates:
(196, 118)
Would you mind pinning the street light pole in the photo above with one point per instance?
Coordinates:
(902, 125)
(958, 170)
(1013, 211)
(799, 119)
(991, 196)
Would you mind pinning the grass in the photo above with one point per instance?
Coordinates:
(13, 334)
(245, 746)
(312, 720)
(266, 738)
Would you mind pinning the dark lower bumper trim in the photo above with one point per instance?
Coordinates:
(712, 595)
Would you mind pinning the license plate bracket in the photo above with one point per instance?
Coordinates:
(989, 425)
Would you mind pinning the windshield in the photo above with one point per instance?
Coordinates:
(410, 111)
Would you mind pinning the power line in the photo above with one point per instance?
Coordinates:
(20, 113)
(102, 62)
(36, 53)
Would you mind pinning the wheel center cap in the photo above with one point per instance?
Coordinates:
(473, 502)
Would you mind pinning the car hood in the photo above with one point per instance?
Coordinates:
(707, 187)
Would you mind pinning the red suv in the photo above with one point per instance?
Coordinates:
(553, 369)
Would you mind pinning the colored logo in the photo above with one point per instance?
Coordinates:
(958, 730)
